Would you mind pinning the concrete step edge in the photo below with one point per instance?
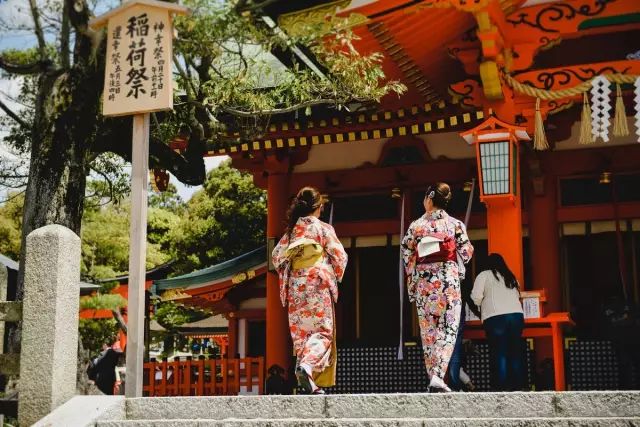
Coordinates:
(446, 422)
(463, 405)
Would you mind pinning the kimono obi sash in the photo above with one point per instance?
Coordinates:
(436, 247)
(304, 253)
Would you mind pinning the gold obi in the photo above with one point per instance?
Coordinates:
(304, 253)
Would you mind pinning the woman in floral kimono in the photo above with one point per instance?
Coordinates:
(435, 249)
(310, 261)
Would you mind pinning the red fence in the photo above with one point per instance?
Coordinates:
(223, 377)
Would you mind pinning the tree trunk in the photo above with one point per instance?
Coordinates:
(65, 120)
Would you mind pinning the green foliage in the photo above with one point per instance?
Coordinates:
(105, 240)
(170, 315)
(109, 183)
(103, 302)
(225, 219)
(95, 332)
(10, 227)
(168, 200)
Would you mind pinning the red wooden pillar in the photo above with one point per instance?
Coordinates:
(278, 338)
(232, 348)
(504, 229)
(544, 241)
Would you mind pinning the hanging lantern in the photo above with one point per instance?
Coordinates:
(160, 180)
(497, 154)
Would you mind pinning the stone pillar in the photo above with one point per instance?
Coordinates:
(278, 339)
(49, 353)
(4, 283)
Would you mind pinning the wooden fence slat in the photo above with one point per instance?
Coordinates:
(174, 384)
(163, 380)
(225, 377)
(152, 377)
(260, 375)
(200, 383)
(186, 378)
(10, 311)
(189, 378)
(236, 376)
(248, 377)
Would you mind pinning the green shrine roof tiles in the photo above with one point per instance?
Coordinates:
(216, 272)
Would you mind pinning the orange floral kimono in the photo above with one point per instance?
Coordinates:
(309, 287)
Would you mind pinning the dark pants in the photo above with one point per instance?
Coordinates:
(457, 358)
(504, 333)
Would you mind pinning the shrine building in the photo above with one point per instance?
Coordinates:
(525, 107)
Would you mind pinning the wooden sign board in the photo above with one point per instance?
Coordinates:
(138, 65)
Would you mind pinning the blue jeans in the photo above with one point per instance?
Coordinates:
(457, 357)
(504, 333)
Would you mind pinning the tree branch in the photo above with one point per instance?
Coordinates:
(65, 32)
(120, 320)
(188, 167)
(242, 7)
(290, 109)
(191, 90)
(13, 196)
(13, 115)
(37, 26)
(37, 67)
(109, 182)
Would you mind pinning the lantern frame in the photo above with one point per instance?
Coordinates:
(491, 132)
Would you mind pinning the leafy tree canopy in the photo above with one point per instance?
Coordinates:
(225, 219)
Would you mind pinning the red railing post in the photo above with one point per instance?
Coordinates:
(163, 379)
(261, 375)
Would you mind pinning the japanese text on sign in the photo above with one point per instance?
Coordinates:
(138, 75)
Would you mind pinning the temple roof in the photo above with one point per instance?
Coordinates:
(215, 273)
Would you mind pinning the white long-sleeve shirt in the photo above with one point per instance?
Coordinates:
(493, 297)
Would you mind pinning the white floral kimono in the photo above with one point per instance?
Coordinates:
(435, 287)
(309, 287)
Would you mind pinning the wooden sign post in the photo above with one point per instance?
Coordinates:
(138, 81)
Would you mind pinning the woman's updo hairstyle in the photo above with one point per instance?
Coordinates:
(440, 193)
(303, 204)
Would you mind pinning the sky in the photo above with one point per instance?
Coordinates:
(16, 12)
(186, 191)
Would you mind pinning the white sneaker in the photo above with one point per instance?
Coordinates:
(466, 380)
(464, 377)
(437, 385)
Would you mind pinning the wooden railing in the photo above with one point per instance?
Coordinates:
(221, 377)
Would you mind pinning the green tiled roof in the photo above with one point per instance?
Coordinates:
(219, 271)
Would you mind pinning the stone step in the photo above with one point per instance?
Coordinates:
(389, 406)
(383, 422)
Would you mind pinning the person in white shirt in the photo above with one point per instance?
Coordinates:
(496, 292)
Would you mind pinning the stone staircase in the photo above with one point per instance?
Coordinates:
(454, 409)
